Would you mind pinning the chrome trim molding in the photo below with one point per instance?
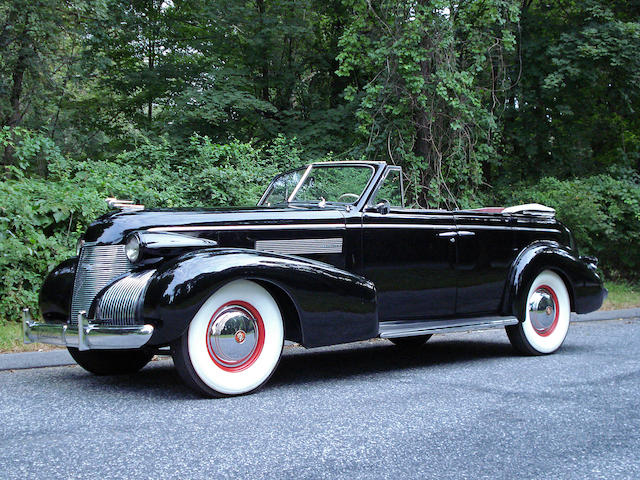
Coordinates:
(299, 226)
(408, 225)
(118, 304)
(533, 229)
(90, 336)
(291, 226)
(410, 329)
(301, 246)
(326, 226)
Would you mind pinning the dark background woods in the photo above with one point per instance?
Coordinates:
(201, 102)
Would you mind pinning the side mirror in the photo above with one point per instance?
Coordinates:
(382, 207)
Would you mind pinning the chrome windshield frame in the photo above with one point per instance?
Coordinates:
(377, 169)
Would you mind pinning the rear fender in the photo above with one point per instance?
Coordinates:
(582, 281)
(333, 306)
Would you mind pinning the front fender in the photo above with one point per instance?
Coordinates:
(55, 294)
(333, 306)
(583, 283)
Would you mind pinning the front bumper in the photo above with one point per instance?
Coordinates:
(85, 335)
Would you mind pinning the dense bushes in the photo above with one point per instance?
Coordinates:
(42, 217)
(602, 211)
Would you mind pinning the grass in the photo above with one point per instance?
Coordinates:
(621, 295)
(11, 340)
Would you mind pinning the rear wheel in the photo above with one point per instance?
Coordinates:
(234, 342)
(410, 342)
(547, 313)
(111, 362)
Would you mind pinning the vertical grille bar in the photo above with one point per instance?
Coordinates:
(97, 266)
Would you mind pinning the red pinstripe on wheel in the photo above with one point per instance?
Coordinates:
(548, 331)
(242, 363)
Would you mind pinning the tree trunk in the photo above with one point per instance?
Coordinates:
(264, 69)
(151, 67)
(16, 90)
(15, 116)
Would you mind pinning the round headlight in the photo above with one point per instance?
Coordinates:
(79, 245)
(132, 248)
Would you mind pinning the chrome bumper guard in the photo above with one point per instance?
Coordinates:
(86, 335)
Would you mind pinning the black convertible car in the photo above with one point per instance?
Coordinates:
(329, 255)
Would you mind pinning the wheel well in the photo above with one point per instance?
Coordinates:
(537, 272)
(290, 316)
(567, 283)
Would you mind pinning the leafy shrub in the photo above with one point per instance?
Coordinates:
(602, 211)
(41, 217)
(231, 174)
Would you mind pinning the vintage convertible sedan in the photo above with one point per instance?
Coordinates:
(329, 255)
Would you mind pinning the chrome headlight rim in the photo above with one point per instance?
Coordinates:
(132, 248)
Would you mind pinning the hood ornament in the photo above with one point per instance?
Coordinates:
(124, 205)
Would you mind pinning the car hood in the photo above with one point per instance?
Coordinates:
(114, 227)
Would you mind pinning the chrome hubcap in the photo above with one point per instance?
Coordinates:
(233, 336)
(543, 310)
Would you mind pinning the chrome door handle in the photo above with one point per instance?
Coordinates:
(459, 233)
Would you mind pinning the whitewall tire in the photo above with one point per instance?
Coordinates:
(547, 314)
(234, 342)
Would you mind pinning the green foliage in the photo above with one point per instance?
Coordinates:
(197, 102)
(223, 69)
(31, 151)
(41, 218)
(429, 104)
(574, 110)
(231, 174)
(602, 211)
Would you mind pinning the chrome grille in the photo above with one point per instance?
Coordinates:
(97, 266)
(117, 306)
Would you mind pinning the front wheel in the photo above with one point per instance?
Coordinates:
(111, 362)
(234, 342)
(547, 313)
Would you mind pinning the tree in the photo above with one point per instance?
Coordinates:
(432, 77)
(39, 46)
(574, 111)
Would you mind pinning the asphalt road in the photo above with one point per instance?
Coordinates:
(464, 406)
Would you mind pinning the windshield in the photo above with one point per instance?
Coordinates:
(320, 184)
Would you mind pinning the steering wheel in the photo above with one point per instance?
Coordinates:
(353, 195)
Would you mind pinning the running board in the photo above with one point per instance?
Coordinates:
(397, 329)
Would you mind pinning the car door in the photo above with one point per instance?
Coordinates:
(410, 255)
(485, 252)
